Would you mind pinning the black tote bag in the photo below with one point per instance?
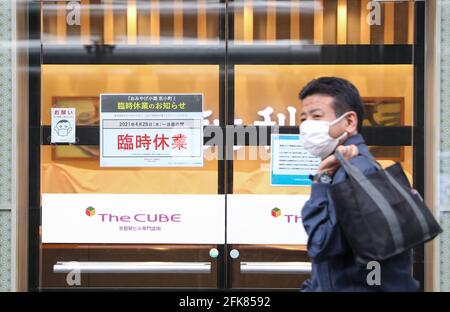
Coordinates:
(380, 215)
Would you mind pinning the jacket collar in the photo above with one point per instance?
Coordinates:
(358, 140)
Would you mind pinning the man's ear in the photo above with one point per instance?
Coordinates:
(352, 123)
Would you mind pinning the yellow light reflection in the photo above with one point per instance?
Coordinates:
(131, 22)
(411, 22)
(108, 22)
(85, 22)
(295, 20)
(61, 22)
(318, 21)
(201, 20)
(178, 20)
(248, 21)
(365, 27)
(342, 22)
(154, 22)
(389, 23)
(271, 30)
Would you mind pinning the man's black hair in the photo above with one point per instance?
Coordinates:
(346, 96)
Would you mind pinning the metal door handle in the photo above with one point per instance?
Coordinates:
(132, 267)
(276, 267)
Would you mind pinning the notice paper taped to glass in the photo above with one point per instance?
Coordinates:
(151, 130)
(291, 164)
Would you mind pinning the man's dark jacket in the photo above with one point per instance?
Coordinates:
(334, 267)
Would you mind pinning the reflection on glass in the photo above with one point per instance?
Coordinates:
(87, 108)
(268, 253)
(75, 169)
(252, 176)
(131, 22)
(382, 111)
(52, 253)
(80, 86)
(323, 21)
(268, 94)
(255, 21)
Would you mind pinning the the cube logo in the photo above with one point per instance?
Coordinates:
(90, 211)
(276, 212)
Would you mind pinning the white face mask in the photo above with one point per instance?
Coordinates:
(63, 131)
(315, 137)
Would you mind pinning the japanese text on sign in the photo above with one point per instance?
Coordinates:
(151, 130)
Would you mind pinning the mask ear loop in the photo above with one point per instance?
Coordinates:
(345, 134)
(338, 119)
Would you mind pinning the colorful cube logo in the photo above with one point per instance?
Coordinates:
(90, 211)
(276, 212)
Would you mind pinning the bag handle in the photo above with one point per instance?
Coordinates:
(417, 211)
(377, 198)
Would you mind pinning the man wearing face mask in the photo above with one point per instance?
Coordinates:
(332, 114)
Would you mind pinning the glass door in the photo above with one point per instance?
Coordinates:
(226, 223)
(127, 225)
(276, 48)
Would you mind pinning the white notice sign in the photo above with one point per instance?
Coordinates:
(63, 125)
(291, 164)
(151, 130)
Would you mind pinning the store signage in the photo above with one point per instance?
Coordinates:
(265, 114)
(63, 125)
(73, 17)
(291, 164)
(130, 219)
(151, 130)
(265, 219)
